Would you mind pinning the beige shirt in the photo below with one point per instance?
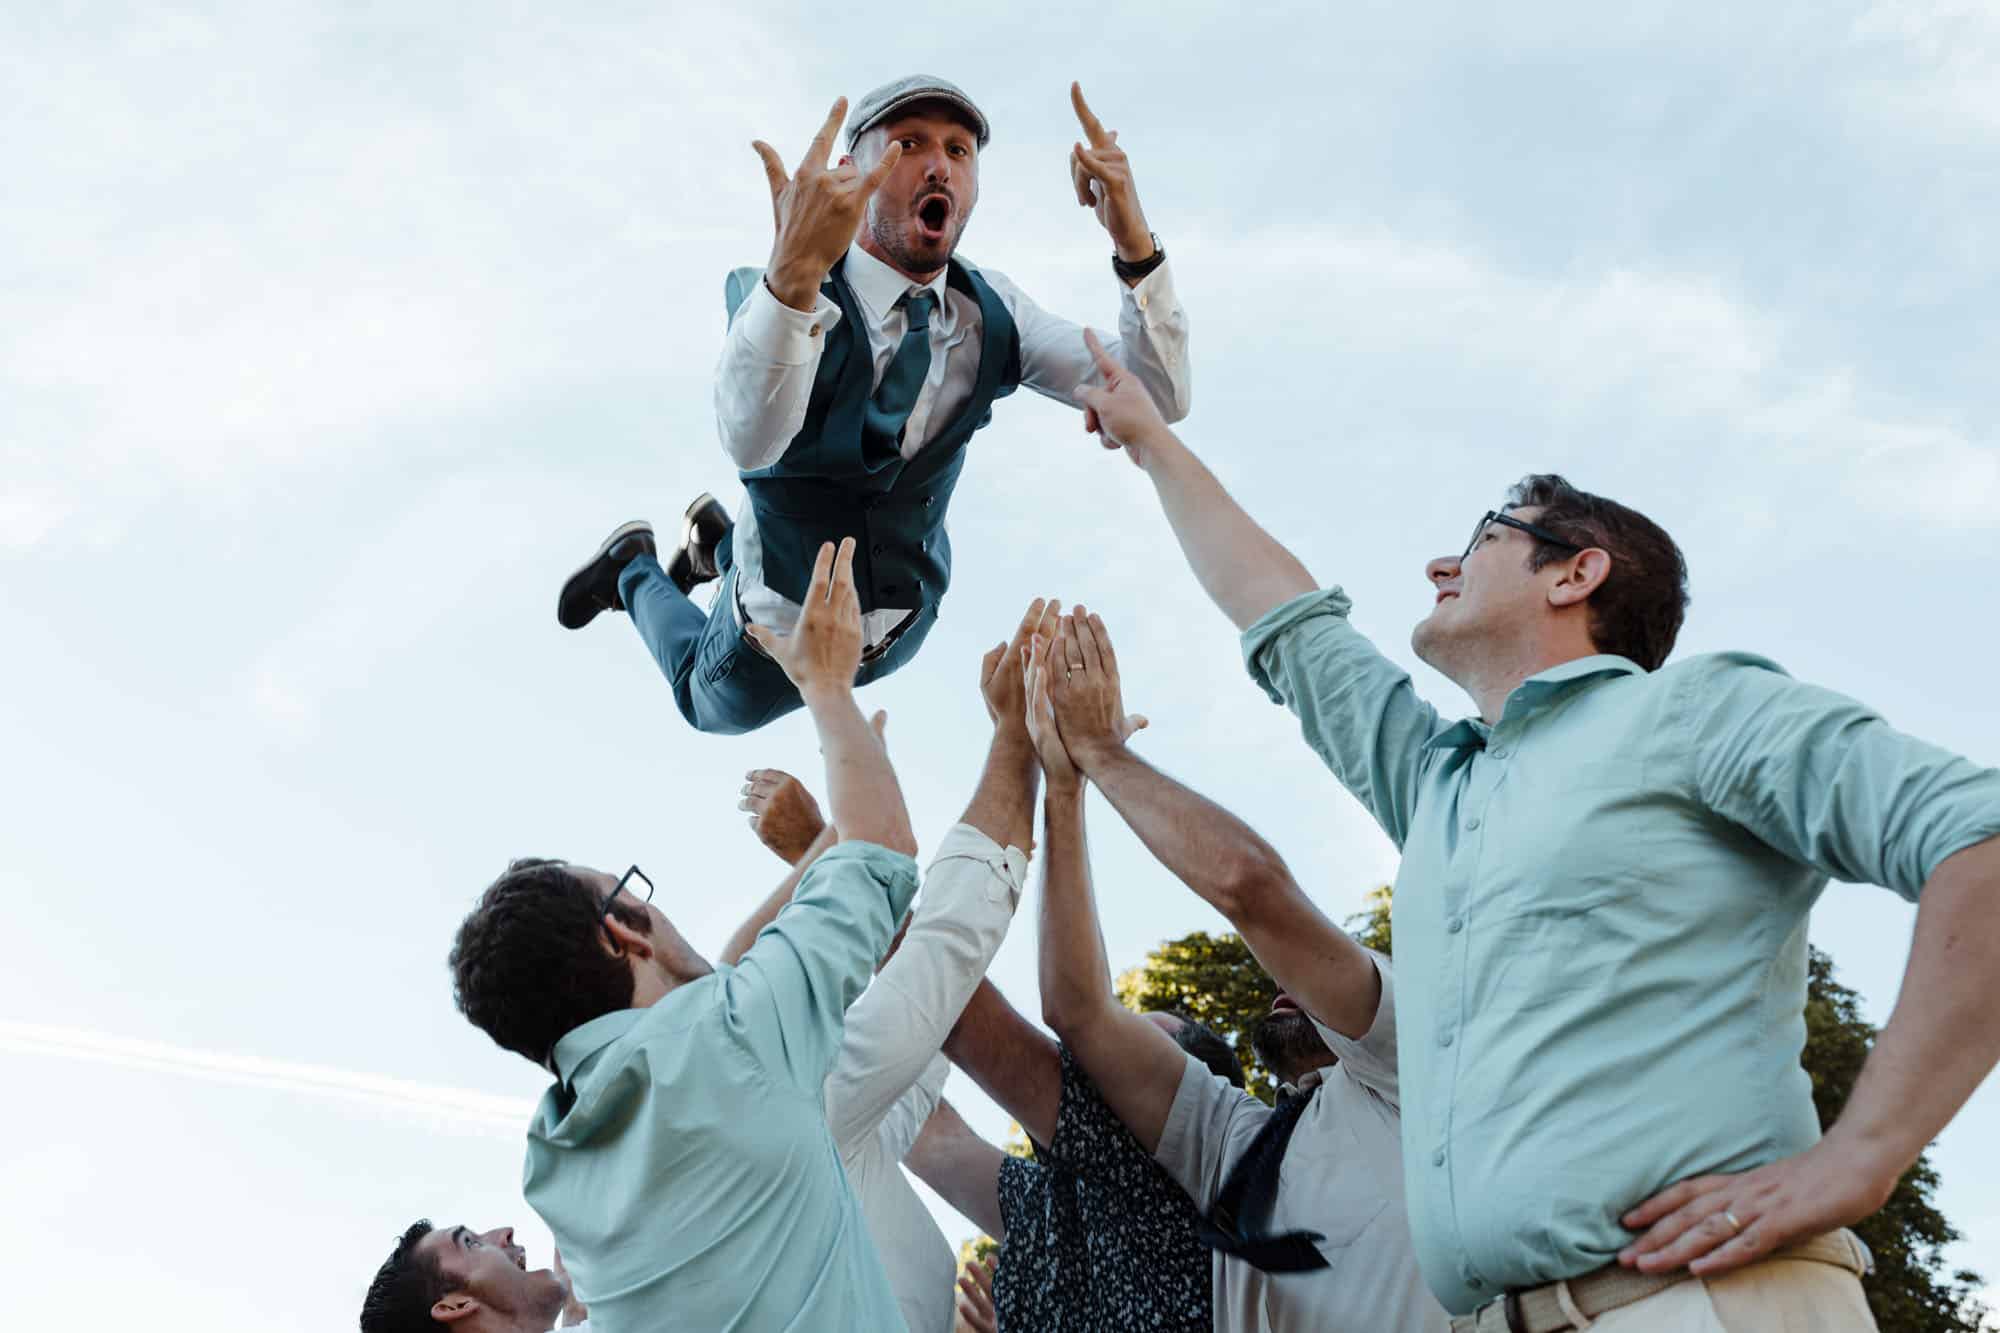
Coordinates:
(1342, 1177)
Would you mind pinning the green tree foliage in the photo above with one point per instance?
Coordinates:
(1214, 978)
(1910, 1291)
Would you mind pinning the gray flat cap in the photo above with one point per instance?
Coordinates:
(890, 98)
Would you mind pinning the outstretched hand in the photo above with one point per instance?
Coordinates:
(817, 210)
(824, 651)
(1102, 176)
(1085, 692)
(975, 1297)
(783, 814)
(1119, 409)
(1003, 671)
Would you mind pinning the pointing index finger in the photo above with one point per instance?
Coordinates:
(822, 145)
(1093, 129)
(1106, 367)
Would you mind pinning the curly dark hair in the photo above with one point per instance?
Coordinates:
(530, 962)
(1637, 612)
(405, 1288)
(1207, 1045)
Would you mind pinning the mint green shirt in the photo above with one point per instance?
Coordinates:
(1600, 921)
(683, 1160)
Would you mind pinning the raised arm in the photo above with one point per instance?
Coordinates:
(1137, 1067)
(970, 892)
(963, 1168)
(772, 350)
(767, 911)
(1013, 1061)
(1244, 570)
(789, 996)
(1210, 850)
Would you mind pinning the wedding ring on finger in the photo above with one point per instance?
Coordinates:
(1729, 1219)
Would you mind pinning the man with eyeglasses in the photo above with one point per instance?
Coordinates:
(682, 1157)
(1600, 919)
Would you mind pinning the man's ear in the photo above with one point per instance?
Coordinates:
(629, 942)
(1584, 575)
(458, 1305)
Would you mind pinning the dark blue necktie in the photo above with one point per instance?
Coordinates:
(889, 409)
(1235, 1225)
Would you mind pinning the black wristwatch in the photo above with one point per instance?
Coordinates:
(1134, 272)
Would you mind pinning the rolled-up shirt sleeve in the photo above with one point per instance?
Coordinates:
(1824, 779)
(895, 1029)
(1152, 342)
(787, 999)
(1370, 1059)
(764, 380)
(1359, 711)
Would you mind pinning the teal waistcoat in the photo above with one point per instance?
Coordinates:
(838, 479)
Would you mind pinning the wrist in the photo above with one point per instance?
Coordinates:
(794, 283)
(1065, 791)
(1095, 753)
(1135, 244)
(824, 695)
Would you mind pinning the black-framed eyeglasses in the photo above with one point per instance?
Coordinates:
(1509, 521)
(628, 877)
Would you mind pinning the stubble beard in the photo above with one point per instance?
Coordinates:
(889, 234)
(1289, 1045)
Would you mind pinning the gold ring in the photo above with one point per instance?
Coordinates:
(1735, 1227)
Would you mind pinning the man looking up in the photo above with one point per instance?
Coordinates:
(1601, 914)
(856, 369)
(682, 1157)
(469, 1282)
(1304, 1202)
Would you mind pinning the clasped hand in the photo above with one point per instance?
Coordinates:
(1076, 709)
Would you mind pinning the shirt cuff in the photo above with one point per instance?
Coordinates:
(1279, 621)
(967, 843)
(892, 870)
(1154, 295)
(786, 336)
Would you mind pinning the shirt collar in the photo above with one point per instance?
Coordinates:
(880, 286)
(1309, 1080)
(1534, 694)
(582, 1042)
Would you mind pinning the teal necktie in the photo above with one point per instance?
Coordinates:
(889, 409)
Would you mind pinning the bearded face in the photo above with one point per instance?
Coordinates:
(1288, 1043)
(917, 216)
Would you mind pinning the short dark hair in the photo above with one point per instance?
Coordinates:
(405, 1288)
(1207, 1045)
(529, 963)
(1638, 611)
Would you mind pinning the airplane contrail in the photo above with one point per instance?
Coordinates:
(480, 1113)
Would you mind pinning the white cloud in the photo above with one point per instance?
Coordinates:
(448, 1108)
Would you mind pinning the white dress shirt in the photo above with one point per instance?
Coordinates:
(1342, 1176)
(771, 356)
(889, 1073)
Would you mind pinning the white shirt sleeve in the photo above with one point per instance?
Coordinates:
(764, 381)
(899, 1129)
(1370, 1059)
(1152, 340)
(895, 1029)
(1209, 1126)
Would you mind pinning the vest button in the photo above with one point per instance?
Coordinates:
(876, 549)
(927, 502)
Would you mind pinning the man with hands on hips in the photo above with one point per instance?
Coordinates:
(857, 367)
(1601, 913)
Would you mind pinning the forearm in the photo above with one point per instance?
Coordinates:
(764, 380)
(746, 934)
(1245, 571)
(1242, 876)
(864, 800)
(1944, 1036)
(1012, 1061)
(962, 1167)
(1003, 805)
(1074, 974)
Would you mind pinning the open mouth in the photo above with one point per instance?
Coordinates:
(933, 215)
(1285, 1004)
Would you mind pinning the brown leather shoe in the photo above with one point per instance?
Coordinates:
(594, 588)
(703, 527)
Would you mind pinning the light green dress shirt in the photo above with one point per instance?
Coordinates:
(1600, 921)
(683, 1160)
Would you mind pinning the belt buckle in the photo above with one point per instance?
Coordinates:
(1510, 1306)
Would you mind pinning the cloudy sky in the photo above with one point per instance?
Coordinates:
(337, 335)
